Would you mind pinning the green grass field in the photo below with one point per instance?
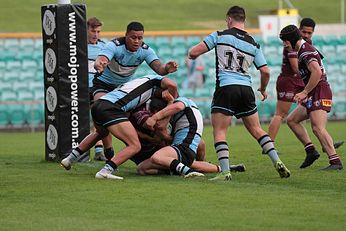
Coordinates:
(25, 16)
(40, 195)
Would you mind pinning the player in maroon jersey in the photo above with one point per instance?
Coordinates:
(287, 85)
(316, 97)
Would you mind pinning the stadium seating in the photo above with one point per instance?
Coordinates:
(34, 114)
(17, 115)
(21, 67)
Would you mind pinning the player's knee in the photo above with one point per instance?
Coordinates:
(155, 159)
(280, 115)
(290, 121)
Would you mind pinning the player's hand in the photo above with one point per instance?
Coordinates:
(263, 93)
(100, 63)
(301, 96)
(150, 123)
(171, 66)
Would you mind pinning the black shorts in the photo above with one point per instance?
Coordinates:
(100, 86)
(147, 150)
(234, 100)
(105, 114)
(185, 154)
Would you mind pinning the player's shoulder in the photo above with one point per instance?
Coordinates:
(307, 49)
(119, 41)
(240, 35)
(145, 46)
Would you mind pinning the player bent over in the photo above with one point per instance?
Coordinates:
(152, 142)
(109, 115)
(187, 123)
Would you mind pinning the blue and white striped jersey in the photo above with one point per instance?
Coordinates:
(190, 117)
(135, 93)
(235, 52)
(123, 63)
(93, 51)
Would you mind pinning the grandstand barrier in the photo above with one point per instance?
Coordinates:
(18, 70)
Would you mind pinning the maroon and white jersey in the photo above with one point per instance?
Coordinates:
(306, 54)
(286, 69)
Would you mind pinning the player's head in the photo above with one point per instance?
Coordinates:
(290, 33)
(94, 29)
(134, 36)
(235, 13)
(307, 28)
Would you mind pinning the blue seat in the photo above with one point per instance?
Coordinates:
(163, 41)
(8, 95)
(273, 41)
(19, 86)
(26, 44)
(17, 115)
(8, 55)
(11, 45)
(192, 41)
(34, 114)
(318, 40)
(25, 96)
(178, 41)
(331, 40)
(4, 117)
(13, 65)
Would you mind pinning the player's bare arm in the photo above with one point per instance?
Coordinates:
(315, 76)
(164, 69)
(166, 112)
(197, 50)
(171, 86)
(265, 75)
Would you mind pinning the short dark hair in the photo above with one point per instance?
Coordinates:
(94, 22)
(136, 26)
(308, 22)
(237, 13)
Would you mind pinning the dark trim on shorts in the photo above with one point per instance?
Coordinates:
(100, 86)
(185, 154)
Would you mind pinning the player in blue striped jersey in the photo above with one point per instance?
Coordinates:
(120, 58)
(110, 116)
(187, 129)
(235, 52)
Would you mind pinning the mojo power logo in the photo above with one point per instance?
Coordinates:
(73, 77)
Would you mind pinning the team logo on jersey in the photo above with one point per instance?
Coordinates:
(309, 103)
(289, 95)
(326, 102)
(317, 103)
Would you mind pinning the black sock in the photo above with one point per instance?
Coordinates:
(112, 164)
(109, 153)
(309, 147)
